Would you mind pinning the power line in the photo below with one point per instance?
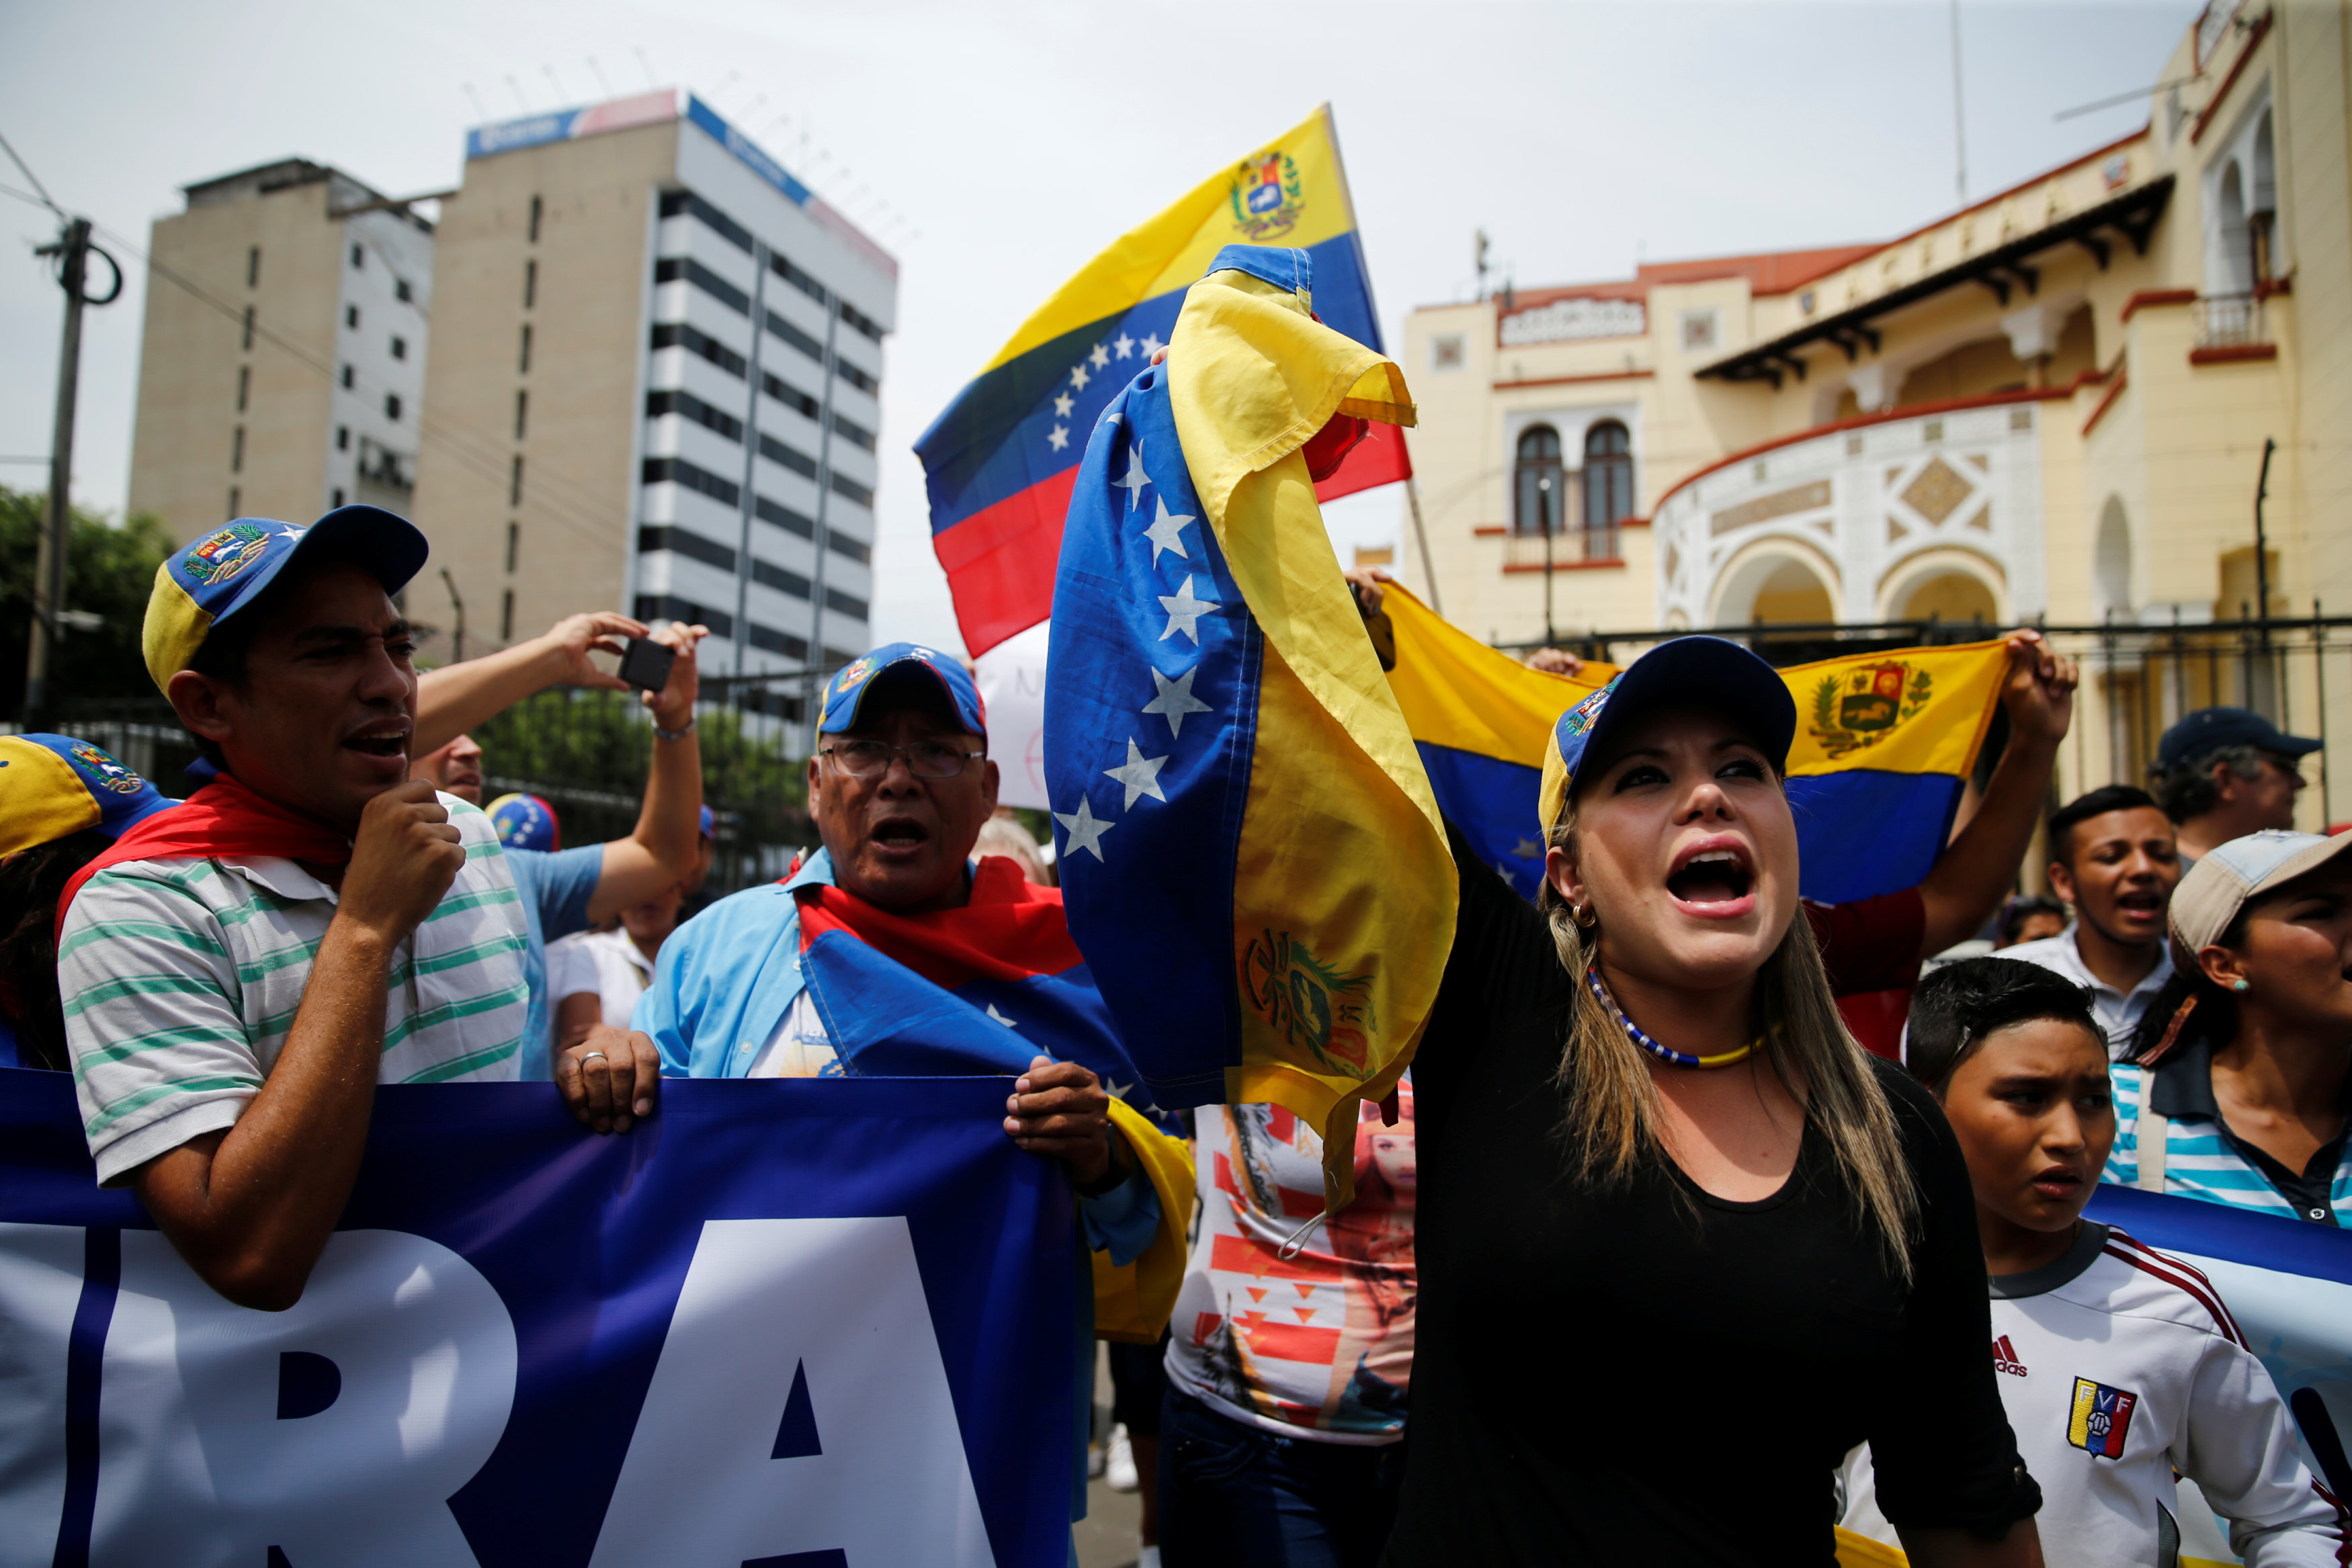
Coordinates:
(34, 180)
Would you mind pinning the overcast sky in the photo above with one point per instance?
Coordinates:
(995, 147)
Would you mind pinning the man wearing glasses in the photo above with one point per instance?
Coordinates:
(2223, 772)
(899, 788)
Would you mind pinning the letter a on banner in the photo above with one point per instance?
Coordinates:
(799, 1407)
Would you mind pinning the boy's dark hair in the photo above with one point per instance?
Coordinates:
(2021, 910)
(1957, 1006)
(2082, 807)
(30, 882)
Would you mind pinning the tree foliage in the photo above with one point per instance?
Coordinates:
(110, 569)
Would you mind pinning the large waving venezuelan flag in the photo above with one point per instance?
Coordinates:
(1000, 464)
(1885, 743)
(1251, 859)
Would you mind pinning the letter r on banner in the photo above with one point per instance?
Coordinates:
(335, 1431)
(810, 1339)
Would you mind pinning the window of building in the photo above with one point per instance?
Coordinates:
(342, 438)
(1699, 328)
(392, 405)
(237, 450)
(351, 317)
(514, 484)
(505, 599)
(1805, 302)
(348, 378)
(359, 257)
(1607, 474)
(522, 360)
(1538, 486)
(399, 347)
(534, 220)
(1446, 352)
(244, 385)
(523, 412)
(402, 292)
(336, 496)
(529, 284)
(253, 267)
(514, 543)
(249, 329)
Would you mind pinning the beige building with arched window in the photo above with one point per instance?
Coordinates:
(2050, 405)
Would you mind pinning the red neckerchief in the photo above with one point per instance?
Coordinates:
(223, 818)
(1010, 929)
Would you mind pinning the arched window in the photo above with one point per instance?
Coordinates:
(2233, 271)
(1608, 474)
(1540, 486)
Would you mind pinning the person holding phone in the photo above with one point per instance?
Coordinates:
(567, 891)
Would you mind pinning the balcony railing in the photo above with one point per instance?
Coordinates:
(2230, 322)
(1568, 548)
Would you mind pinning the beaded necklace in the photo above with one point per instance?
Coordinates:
(1664, 1053)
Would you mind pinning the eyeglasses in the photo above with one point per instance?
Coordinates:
(925, 758)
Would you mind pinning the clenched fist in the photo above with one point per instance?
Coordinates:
(403, 862)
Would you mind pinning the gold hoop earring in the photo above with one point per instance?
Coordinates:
(1584, 915)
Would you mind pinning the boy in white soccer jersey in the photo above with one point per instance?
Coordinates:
(2118, 1364)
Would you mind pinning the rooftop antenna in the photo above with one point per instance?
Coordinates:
(598, 72)
(1479, 256)
(1960, 116)
(480, 113)
(639, 50)
(516, 88)
(557, 82)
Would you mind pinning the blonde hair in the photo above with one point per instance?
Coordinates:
(1612, 1104)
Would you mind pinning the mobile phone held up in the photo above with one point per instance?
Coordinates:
(645, 663)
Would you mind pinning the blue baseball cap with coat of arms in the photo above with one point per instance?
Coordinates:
(844, 695)
(203, 584)
(1708, 672)
(54, 785)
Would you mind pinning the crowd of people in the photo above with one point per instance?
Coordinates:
(1728, 1192)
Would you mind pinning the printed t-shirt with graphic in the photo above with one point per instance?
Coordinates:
(182, 975)
(2118, 1364)
(1319, 1344)
(2204, 1159)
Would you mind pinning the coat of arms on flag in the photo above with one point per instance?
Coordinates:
(1267, 196)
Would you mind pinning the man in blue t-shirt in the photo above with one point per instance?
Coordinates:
(564, 891)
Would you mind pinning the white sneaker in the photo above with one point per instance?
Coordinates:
(1120, 1471)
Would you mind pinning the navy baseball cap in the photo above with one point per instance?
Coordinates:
(844, 695)
(53, 785)
(203, 584)
(2212, 729)
(1689, 672)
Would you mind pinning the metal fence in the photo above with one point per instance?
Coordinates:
(2138, 678)
(585, 752)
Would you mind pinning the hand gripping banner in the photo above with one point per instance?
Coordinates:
(783, 1324)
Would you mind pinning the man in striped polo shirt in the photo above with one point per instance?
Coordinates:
(240, 973)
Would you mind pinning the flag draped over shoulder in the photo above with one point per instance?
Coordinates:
(1000, 463)
(984, 988)
(1253, 862)
(1481, 720)
(1885, 743)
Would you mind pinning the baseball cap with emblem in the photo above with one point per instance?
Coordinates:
(526, 822)
(1708, 672)
(2224, 883)
(846, 694)
(53, 785)
(2212, 729)
(203, 584)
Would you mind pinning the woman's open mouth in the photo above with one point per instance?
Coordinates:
(1714, 878)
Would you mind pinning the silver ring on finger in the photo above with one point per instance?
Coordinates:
(593, 1056)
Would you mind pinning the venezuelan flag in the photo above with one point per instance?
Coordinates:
(1885, 741)
(1252, 862)
(1000, 464)
(1481, 720)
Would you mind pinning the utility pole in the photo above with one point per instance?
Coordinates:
(2263, 575)
(73, 251)
(457, 603)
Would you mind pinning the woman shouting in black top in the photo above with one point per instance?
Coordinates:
(1683, 1243)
